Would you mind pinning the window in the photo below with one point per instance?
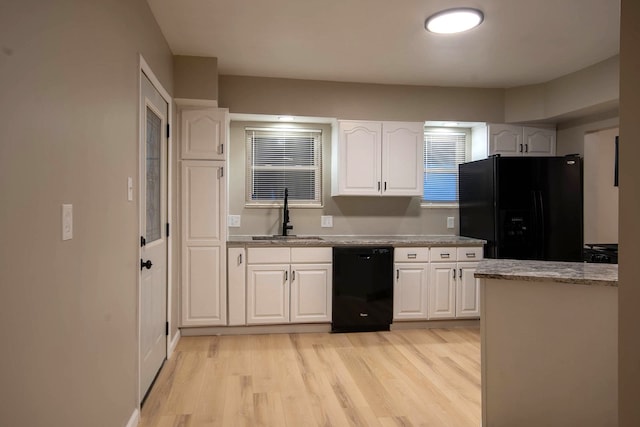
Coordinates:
(284, 158)
(444, 150)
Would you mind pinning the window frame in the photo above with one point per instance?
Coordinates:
(467, 157)
(317, 168)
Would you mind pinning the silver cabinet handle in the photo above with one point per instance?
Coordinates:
(521, 148)
(460, 273)
(286, 276)
(221, 150)
(526, 148)
(454, 272)
(471, 254)
(444, 255)
(293, 275)
(378, 185)
(398, 274)
(412, 256)
(239, 259)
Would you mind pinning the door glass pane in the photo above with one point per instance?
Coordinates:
(154, 143)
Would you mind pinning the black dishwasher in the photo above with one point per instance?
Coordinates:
(362, 289)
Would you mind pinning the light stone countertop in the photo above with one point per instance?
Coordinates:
(399, 241)
(549, 271)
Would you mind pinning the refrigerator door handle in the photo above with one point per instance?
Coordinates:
(536, 226)
(541, 222)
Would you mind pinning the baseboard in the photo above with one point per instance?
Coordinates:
(258, 329)
(435, 324)
(173, 344)
(135, 419)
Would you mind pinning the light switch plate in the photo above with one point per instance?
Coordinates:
(233, 220)
(450, 222)
(326, 221)
(67, 222)
(129, 189)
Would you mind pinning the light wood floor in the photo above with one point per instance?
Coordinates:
(420, 377)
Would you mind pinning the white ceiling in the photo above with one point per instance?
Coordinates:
(383, 41)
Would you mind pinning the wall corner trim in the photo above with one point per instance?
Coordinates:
(135, 419)
(173, 344)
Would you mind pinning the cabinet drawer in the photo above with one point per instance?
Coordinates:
(268, 255)
(315, 255)
(443, 254)
(411, 254)
(470, 254)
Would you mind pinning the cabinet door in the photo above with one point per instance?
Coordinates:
(410, 291)
(204, 297)
(402, 154)
(310, 293)
(237, 286)
(442, 290)
(203, 133)
(467, 291)
(539, 142)
(359, 158)
(267, 294)
(505, 140)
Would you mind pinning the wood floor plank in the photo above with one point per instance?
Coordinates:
(419, 377)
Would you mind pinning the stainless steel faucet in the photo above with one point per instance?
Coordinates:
(285, 214)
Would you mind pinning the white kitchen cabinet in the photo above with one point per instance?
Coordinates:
(378, 159)
(203, 212)
(467, 291)
(453, 291)
(267, 294)
(442, 290)
(311, 293)
(410, 283)
(539, 142)
(511, 140)
(288, 285)
(203, 132)
(237, 286)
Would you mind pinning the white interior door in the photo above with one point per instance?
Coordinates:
(153, 262)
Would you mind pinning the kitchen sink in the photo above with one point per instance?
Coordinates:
(280, 237)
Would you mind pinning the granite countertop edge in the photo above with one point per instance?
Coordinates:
(395, 241)
(549, 271)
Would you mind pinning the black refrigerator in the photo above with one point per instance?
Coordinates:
(524, 207)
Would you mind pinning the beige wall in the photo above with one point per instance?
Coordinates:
(351, 215)
(629, 338)
(570, 135)
(588, 91)
(600, 195)
(259, 95)
(69, 134)
(195, 77)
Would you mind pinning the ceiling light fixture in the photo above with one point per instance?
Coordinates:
(454, 20)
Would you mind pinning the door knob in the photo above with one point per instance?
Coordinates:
(146, 264)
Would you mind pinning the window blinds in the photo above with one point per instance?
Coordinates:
(279, 159)
(442, 154)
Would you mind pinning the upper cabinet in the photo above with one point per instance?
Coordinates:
(378, 159)
(203, 133)
(510, 140)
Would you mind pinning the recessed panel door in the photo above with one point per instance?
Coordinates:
(153, 206)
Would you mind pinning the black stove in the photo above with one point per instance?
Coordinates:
(601, 252)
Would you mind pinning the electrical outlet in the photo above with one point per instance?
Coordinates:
(67, 222)
(233, 220)
(450, 222)
(326, 221)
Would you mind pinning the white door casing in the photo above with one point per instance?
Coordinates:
(154, 111)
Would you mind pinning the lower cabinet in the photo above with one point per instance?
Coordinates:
(287, 285)
(453, 290)
(410, 291)
(267, 294)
